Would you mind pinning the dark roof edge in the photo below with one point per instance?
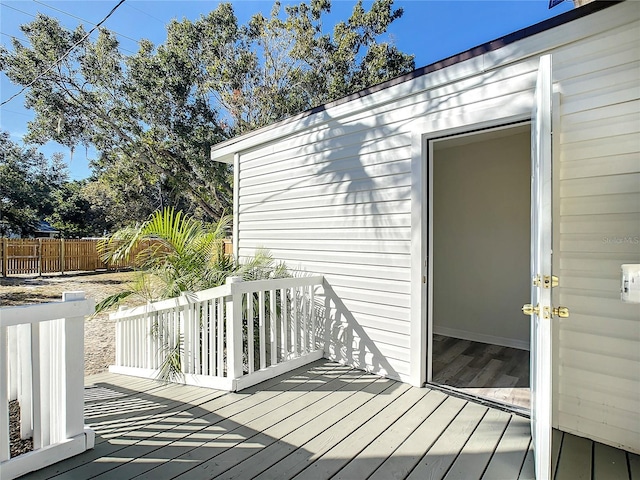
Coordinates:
(490, 46)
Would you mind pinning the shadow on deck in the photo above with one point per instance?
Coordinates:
(321, 421)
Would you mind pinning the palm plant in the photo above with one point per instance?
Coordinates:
(178, 254)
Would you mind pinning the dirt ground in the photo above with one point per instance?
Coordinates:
(99, 333)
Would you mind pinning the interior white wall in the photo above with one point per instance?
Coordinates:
(481, 229)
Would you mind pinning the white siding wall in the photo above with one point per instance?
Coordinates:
(597, 228)
(330, 194)
(335, 201)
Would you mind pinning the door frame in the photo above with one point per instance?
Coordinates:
(423, 134)
(430, 231)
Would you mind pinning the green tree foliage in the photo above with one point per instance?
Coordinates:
(27, 181)
(154, 115)
(76, 214)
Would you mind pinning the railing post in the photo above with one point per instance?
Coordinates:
(74, 369)
(4, 397)
(234, 331)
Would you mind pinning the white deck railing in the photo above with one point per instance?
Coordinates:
(228, 337)
(42, 367)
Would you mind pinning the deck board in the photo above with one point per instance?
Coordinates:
(575, 458)
(439, 458)
(508, 459)
(477, 452)
(320, 421)
(383, 447)
(339, 455)
(608, 462)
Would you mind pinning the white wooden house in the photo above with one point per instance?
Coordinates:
(414, 199)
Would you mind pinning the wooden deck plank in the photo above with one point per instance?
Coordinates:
(210, 419)
(574, 462)
(327, 433)
(370, 459)
(556, 444)
(634, 465)
(528, 471)
(608, 463)
(264, 449)
(478, 451)
(181, 449)
(300, 434)
(413, 448)
(339, 455)
(439, 458)
(508, 458)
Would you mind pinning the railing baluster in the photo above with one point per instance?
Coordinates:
(312, 312)
(220, 334)
(185, 330)
(36, 386)
(204, 337)
(305, 319)
(283, 324)
(262, 328)
(212, 337)
(250, 334)
(294, 308)
(273, 324)
(197, 338)
(24, 387)
(148, 322)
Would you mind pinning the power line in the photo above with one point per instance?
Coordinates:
(82, 19)
(78, 18)
(19, 40)
(146, 13)
(17, 113)
(63, 56)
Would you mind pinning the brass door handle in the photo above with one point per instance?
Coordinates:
(562, 312)
(529, 309)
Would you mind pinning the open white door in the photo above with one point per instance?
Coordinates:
(540, 308)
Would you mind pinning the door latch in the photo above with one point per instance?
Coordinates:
(548, 281)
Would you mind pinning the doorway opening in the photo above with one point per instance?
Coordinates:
(479, 238)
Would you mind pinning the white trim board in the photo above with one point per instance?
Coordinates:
(481, 337)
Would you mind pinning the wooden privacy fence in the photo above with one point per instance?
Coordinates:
(56, 255)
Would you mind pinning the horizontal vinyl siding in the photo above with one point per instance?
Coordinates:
(335, 201)
(597, 228)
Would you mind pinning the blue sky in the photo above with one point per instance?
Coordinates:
(431, 30)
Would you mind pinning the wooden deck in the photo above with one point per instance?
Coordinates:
(321, 421)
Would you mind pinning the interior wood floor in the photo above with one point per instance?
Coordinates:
(498, 373)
